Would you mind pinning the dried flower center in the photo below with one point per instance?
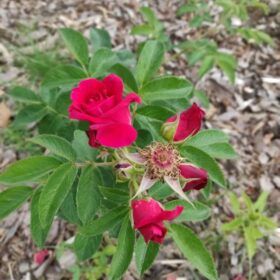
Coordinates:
(161, 160)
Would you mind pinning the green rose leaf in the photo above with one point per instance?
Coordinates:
(56, 145)
(76, 44)
(28, 170)
(193, 250)
(55, 191)
(13, 198)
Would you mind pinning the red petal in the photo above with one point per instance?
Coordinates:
(114, 85)
(116, 135)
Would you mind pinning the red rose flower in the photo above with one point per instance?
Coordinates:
(101, 104)
(40, 256)
(178, 128)
(148, 216)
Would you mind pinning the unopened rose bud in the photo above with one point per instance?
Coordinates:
(187, 123)
(168, 130)
(40, 256)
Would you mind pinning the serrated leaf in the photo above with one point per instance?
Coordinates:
(88, 196)
(207, 137)
(228, 65)
(203, 160)
(155, 112)
(145, 254)
(105, 222)
(56, 145)
(220, 151)
(13, 198)
(149, 61)
(149, 15)
(114, 194)
(55, 191)
(260, 204)
(38, 232)
(102, 60)
(206, 66)
(202, 98)
(233, 225)
(64, 76)
(124, 253)
(28, 170)
(250, 241)
(29, 114)
(24, 95)
(76, 44)
(100, 38)
(85, 247)
(196, 212)
(193, 250)
(164, 88)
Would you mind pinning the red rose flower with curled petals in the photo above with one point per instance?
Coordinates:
(148, 216)
(101, 103)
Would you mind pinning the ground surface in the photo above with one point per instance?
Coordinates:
(248, 112)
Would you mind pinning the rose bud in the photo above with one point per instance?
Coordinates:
(178, 128)
(123, 170)
(148, 216)
(102, 104)
(40, 256)
(195, 178)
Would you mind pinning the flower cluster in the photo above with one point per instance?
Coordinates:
(102, 105)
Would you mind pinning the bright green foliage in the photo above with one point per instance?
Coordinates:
(55, 191)
(124, 253)
(193, 213)
(12, 198)
(76, 44)
(164, 88)
(38, 231)
(200, 11)
(152, 28)
(105, 222)
(100, 38)
(88, 197)
(193, 250)
(149, 61)
(56, 145)
(250, 220)
(28, 170)
(145, 254)
(206, 53)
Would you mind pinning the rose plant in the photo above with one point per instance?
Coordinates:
(123, 149)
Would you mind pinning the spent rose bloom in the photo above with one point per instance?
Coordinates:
(179, 127)
(148, 217)
(40, 256)
(101, 103)
(163, 163)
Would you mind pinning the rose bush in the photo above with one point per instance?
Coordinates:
(122, 146)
